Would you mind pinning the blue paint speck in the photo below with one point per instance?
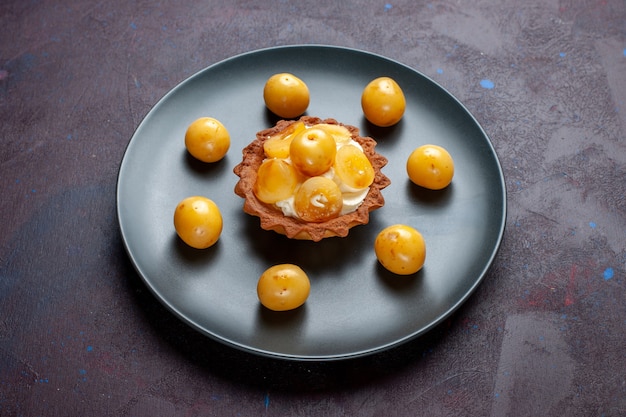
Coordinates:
(624, 52)
(89, 348)
(592, 225)
(439, 71)
(388, 7)
(488, 84)
(266, 401)
(562, 54)
(82, 371)
(608, 274)
(133, 25)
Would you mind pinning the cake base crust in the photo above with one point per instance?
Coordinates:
(273, 219)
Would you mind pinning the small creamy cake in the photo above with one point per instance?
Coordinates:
(310, 178)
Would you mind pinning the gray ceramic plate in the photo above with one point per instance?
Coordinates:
(355, 307)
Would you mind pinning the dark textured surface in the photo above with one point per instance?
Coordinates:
(544, 333)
